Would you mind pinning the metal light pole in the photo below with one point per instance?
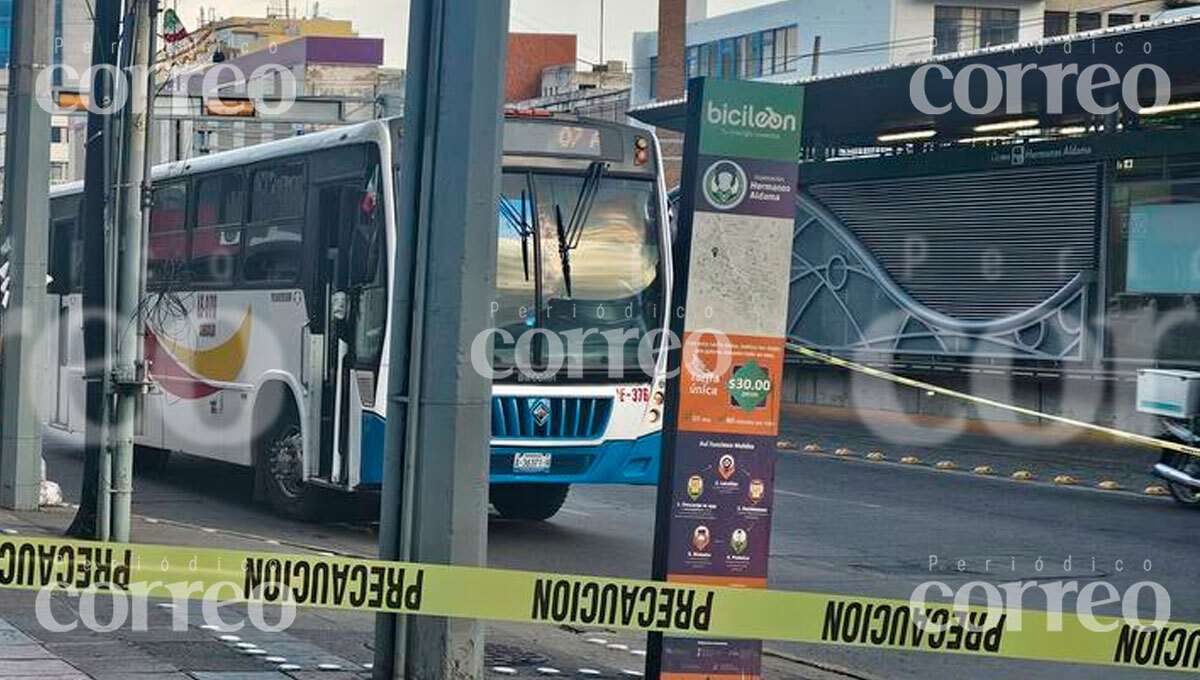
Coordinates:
(602, 32)
(92, 520)
(26, 221)
(435, 485)
(127, 369)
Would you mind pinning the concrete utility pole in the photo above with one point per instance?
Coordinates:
(435, 486)
(93, 518)
(26, 221)
(135, 194)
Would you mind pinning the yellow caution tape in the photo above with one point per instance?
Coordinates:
(549, 598)
(1135, 438)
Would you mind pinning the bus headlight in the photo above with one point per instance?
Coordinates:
(653, 415)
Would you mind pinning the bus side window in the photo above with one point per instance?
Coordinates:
(217, 238)
(167, 240)
(275, 231)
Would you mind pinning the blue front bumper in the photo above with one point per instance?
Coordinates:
(613, 462)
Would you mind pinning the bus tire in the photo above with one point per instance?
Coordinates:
(528, 502)
(279, 463)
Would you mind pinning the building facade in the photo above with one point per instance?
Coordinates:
(795, 39)
(600, 92)
(1073, 16)
(1041, 264)
(529, 54)
(72, 48)
(347, 70)
(791, 39)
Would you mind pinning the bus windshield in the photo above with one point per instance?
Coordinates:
(587, 288)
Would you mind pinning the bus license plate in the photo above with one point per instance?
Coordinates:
(531, 462)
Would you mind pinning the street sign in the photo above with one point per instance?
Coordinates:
(736, 221)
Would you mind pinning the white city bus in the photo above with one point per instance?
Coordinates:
(268, 281)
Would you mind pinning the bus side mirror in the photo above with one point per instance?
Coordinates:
(337, 306)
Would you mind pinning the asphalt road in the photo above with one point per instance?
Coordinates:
(841, 525)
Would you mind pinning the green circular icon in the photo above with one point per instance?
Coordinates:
(749, 386)
(725, 184)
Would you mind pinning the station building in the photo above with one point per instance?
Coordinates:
(1037, 255)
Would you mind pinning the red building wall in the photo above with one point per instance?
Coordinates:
(672, 81)
(528, 54)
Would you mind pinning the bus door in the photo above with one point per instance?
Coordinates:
(340, 205)
(58, 320)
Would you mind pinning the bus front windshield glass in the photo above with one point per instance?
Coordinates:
(598, 261)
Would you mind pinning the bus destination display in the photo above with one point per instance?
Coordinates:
(543, 139)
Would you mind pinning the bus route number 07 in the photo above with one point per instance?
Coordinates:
(571, 137)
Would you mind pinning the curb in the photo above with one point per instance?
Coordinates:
(981, 470)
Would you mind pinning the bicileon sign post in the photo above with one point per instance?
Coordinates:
(733, 262)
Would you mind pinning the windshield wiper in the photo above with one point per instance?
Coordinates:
(569, 233)
(519, 221)
(564, 251)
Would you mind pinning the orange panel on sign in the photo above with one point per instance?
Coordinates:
(730, 384)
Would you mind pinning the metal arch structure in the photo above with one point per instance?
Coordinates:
(842, 300)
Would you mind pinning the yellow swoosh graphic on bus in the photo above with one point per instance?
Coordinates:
(222, 363)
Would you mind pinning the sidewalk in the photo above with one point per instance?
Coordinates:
(163, 651)
(325, 644)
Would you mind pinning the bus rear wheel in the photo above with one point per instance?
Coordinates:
(528, 502)
(280, 472)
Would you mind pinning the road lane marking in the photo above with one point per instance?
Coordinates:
(577, 513)
(828, 499)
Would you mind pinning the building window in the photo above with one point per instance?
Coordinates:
(1144, 17)
(58, 172)
(58, 135)
(755, 65)
(947, 29)
(768, 52)
(1115, 19)
(967, 28)
(1087, 21)
(1154, 227)
(746, 57)
(727, 60)
(785, 49)
(1056, 23)
(744, 54)
(793, 43)
(708, 60)
(654, 76)
(6, 10)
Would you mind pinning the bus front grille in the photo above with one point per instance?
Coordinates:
(550, 417)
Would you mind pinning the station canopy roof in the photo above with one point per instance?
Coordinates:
(853, 109)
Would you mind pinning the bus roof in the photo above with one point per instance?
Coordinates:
(853, 108)
(313, 141)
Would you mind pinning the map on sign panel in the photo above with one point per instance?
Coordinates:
(736, 271)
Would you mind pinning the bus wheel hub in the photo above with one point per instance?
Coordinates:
(287, 462)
